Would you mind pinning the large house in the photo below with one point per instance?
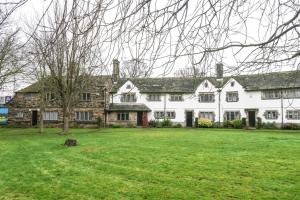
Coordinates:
(274, 97)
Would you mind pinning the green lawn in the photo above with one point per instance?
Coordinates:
(150, 164)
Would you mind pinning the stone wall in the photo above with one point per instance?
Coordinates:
(112, 119)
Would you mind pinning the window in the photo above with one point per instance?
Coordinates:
(123, 116)
(206, 97)
(161, 115)
(50, 116)
(83, 116)
(128, 86)
(271, 114)
(293, 114)
(232, 84)
(128, 97)
(28, 96)
(207, 115)
(232, 115)
(291, 93)
(232, 96)
(153, 97)
(49, 96)
(19, 115)
(271, 94)
(176, 97)
(85, 97)
(205, 84)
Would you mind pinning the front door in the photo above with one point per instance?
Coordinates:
(34, 118)
(139, 119)
(251, 118)
(189, 118)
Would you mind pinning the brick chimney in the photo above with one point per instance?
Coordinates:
(116, 70)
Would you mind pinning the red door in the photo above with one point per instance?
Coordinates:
(145, 120)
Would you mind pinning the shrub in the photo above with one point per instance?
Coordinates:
(291, 126)
(205, 123)
(166, 123)
(130, 125)
(115, 126)
(258, 123)
(99, 122)
(237, 123)
(227, 124)
(178, 125)
(196, 122)
(159, 124)
(152, 123)
(269, 125)
(244, 122)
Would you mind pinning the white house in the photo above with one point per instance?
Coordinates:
(274, 97)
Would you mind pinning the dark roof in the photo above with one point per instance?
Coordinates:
(128, 107)
(167, 84)
(276, 80)
(35, 87)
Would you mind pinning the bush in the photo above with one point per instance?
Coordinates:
(291, 126)
(99, 122)
(258, 123)
(244, 124)
(196, 122)
(237, 123)
(178, 125)
(153, 123)
(269, 125)
(227, 124)
(115, 126)
(166, 123)
(205, 123)
(130, 125)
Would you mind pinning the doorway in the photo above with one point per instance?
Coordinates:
(34, 118)
(139, 119)
(251, 118)
(189, 118)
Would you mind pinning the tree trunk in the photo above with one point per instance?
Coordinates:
(66, 124)
(41, 122)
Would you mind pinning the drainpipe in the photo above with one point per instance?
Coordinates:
(165, 105)
(105, 108)
(281, 98)
(219, 104)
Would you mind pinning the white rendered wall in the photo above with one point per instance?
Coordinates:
(247, 100)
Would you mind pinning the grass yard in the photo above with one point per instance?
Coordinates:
(150, 164)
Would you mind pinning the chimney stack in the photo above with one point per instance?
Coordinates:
(116, 70)
(219, 70)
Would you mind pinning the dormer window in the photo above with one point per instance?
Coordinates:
(128, 97)
(232, 96)
(128, 86)
(232, 83)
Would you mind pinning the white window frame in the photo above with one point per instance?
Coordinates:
(206, 97)
(271, 114)
(123, 116)
(83, 116)
(161, 114)
(128, 97)
(50, 116)
(293, 114)
(176, 97)
(232, 96)
(153, 97)
(206, 115)
(235, 114)
(20, 115)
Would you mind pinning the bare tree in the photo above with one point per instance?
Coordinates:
(189, 72)
(10, 55)
(68, 45)
(246, 36)
(135, 68)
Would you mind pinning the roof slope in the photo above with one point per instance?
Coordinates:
(275, 80)
(128, 107)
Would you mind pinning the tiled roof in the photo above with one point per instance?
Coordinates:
(128, 107)
(276, 80)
